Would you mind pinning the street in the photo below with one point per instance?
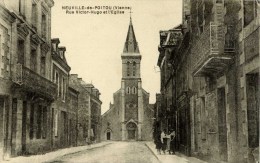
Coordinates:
(118, 152)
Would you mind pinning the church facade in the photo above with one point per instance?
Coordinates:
(130, 117)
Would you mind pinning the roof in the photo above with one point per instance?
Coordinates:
(131, 45)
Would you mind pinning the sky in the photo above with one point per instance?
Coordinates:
(95, 42)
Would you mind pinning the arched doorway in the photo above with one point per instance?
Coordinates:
(108, 135)
(131, 131)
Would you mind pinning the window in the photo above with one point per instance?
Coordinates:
(21, 52)
(134, 90)
(63, 88)
(34, 16)
(57, 81)
(127, 68)
(250, 11)
(62, 84)
(22, 7)
(201, 16)
(128, 90)
(39, 123)
(134, 68)
(43, 65)
(44, 26)
(33, 60)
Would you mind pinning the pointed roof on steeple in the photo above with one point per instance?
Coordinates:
(131, 45)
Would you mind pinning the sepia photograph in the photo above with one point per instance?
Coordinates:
(129, 81)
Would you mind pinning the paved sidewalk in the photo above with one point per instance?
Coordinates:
(178, 158)
(52, 155)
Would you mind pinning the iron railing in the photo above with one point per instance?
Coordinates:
(34, 82)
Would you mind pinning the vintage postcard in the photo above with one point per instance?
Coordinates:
(129, 81)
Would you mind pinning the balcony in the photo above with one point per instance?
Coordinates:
(34, 83)
(213, 51)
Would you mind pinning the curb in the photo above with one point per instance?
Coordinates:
(153, 153)
(44, 160)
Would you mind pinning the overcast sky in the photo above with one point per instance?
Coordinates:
(95, 42)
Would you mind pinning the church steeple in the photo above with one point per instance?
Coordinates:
(131, 45)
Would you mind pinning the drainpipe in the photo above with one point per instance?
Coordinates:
(77, 120)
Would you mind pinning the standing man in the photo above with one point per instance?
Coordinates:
(172, 137)
(164, 140)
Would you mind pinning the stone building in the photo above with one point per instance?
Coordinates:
(89, 111)
(130, 117)
(63, 114)
(26, 89)
(72, 110)
(215, 66)
(31, 92)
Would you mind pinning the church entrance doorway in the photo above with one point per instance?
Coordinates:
(131, 131)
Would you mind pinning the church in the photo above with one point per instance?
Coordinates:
(130, 117)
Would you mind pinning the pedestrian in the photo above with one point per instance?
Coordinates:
(168, 142)
(157, 141)
(172, 139)
(164, 140)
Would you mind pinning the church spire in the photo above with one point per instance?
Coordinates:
(131, 45)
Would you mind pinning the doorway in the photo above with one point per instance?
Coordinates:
(24, 112)
(108, 135)
(131, 130)
(252, 82)
(222, 126)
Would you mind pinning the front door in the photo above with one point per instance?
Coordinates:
(108, 135)
(131, 134)
(222, 126)
(131, 131)
(24, 112)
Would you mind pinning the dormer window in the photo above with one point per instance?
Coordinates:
(62, 50)
(54, 46)
(61, 54)
(55, 43)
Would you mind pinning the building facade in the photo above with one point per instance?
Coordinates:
(26, 88)
(215, 69)
(130, 117)
(89, 111)
(63, 114)
(35, 115)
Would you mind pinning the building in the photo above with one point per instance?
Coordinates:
(63, 114)
(89, 111)
(26, 88)
(130, 117)
(72, 110)
(215, 69)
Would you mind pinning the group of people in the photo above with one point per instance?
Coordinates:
(165, 142)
